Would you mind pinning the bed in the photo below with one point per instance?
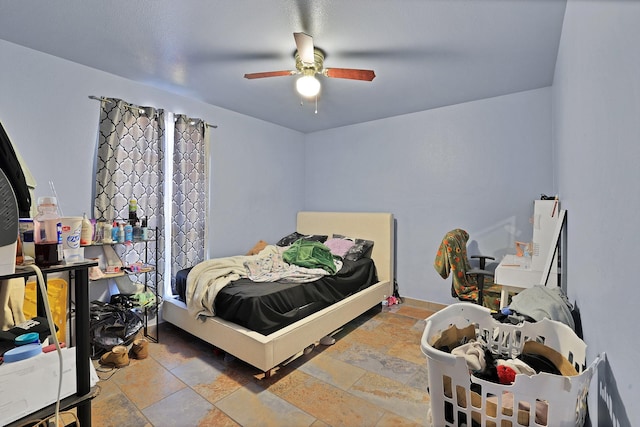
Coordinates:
(266, 352)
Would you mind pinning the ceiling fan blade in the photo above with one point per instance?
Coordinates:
(304, 44)
(349, 73)
(269, 74)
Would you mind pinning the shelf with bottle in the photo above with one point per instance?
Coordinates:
(121, 232)
(130, 248)
(133, 242)
(113, 271)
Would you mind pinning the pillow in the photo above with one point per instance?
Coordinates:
(361, 248)
(339, 247)
(255, 250)
(290, 238)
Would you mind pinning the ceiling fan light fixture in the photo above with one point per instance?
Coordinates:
(308, 86)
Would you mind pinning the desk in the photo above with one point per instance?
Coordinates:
(514, 274)
(83, 380)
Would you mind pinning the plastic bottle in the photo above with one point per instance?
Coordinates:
(114, 232)
(28, 248)
(385, 304)
(47, 233)
(107, 233)
(121, 233)
(98, 235)
(26, 232)
(133, 211)
(145, 230)
(86, 235)
(128, 233)
(137, 232)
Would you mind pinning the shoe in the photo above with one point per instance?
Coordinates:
(117, 357)
(327, 340)
(140, 349)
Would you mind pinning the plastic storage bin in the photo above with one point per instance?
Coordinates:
(57, 291)
(542, 399)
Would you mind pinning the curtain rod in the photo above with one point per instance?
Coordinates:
(101, 98)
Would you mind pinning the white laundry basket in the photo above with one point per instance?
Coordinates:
(542, 399)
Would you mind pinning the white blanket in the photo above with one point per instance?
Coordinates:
(207, 278)
(269, 266)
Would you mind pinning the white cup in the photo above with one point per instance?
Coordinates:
(71, 229)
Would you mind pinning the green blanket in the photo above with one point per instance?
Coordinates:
(309, 254)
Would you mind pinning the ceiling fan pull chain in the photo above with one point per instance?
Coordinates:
(316, 104)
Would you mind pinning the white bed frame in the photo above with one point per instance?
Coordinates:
(268, 351)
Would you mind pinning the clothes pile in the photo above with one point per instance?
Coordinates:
(537, 303)
(483, 364)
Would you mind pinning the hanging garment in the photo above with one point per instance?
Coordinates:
(451, 259)
(10, 165)
(11, 300)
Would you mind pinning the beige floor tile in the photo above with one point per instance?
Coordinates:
(217, 418)
(333, 371)
(255, 406)
(393, 396)
(332, 405)
(146, 382)
(372, 376)
(116, 410)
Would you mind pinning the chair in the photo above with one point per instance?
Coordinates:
(468, 284)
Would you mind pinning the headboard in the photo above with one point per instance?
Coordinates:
(376, 226)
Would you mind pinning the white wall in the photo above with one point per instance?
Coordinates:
(596, 101)
(51, 121)
(476, 166)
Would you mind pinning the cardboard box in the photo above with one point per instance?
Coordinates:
(31, 384)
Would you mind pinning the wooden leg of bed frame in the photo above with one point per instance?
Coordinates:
(267, 374)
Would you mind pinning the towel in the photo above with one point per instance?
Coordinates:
(11, 300)
(473, 352)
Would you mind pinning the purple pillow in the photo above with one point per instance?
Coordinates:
(339, 247)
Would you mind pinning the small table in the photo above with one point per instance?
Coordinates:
(514, 274)
(81, 287)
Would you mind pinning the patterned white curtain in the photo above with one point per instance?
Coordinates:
(130, 165)
(189, 198)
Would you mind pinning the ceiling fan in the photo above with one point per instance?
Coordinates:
(309, 62)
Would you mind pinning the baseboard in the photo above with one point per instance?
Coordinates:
(427, 305)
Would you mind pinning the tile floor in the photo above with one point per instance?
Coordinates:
(374, 375)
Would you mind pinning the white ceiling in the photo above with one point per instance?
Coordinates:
(425, 53)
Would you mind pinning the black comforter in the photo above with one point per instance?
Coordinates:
(267, 307)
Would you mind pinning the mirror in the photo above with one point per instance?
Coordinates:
(546, 271)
